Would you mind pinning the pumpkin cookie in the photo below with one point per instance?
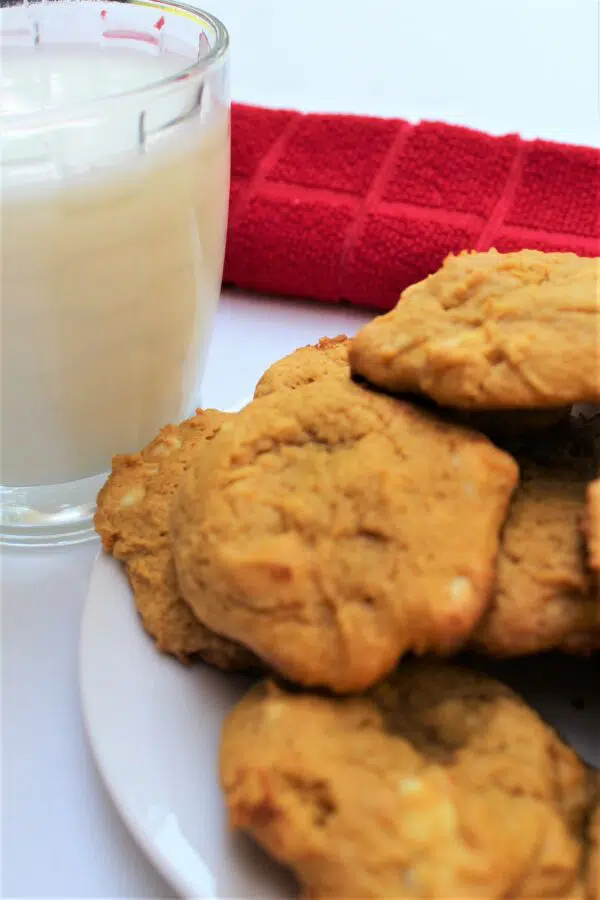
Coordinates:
(543, 597)
(132, 520)
(329, 357)
(331, 529)
(492, 331)
(437, 783)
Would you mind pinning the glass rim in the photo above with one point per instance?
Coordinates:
(67, 111)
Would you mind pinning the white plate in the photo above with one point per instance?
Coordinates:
(154, 726)
(154, 729)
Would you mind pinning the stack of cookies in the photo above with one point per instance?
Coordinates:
(425, 488)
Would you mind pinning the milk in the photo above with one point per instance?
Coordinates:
(110, 276)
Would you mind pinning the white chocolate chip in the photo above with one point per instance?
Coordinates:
(410, 786)
(167, 445)
(460, 589)
(132, 497)
(449, 343)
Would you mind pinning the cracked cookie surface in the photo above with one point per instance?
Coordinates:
(327, 358)
(492, 331)
(332, 529)
(437, 783)
(132, 520)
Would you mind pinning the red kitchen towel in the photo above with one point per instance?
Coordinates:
(338, 207)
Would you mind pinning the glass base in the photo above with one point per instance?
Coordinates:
(52, 514)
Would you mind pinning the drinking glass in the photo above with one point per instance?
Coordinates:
(114, 184)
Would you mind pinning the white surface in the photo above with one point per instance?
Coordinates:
(527, 64)
(154, 727)
(501, 65)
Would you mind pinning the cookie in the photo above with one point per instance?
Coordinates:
(492, 331)
(327, 358)
(331, 529)
(543, 597)
(437, 783)
(592, 525)
(132, 520)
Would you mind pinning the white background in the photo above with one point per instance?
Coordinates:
(501, 65)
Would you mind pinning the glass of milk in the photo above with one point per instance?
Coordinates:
(114, 184)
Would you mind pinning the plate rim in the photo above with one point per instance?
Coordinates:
(141, 835)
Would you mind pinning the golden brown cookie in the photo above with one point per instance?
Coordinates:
(592, 524)
(437, 783)
(132, 520)
(492, 331)
(543, 596)
(331, 529)
(329, 357)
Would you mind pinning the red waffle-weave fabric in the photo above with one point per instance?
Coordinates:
(338, 207)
